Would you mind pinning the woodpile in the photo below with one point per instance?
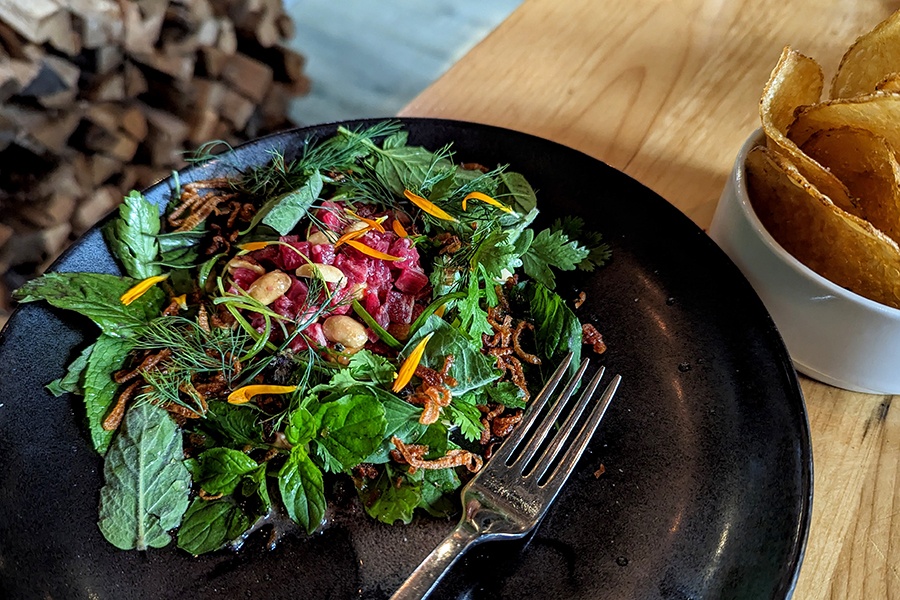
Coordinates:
(101, 96)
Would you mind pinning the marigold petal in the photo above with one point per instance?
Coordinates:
(429, 207)
(398, 228)
(242, 395)
(181, 301)
(409, 365)
(140, 288)
(352, 235)
(487, 199)
(375, 224)
(251, 246)
(371, 251)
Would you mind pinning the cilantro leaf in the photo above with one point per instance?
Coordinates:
(599, 251)
(302, 489)
(548, 249)
(506, 393)
(464, 413)
(132, 236)
(496, 255)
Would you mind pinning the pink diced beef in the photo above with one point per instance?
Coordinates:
(292, 256)
(243, 277)
(411, 281)
(400, 307)
(403, 248)
(322, 253)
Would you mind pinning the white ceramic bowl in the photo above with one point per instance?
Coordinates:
(832, 334)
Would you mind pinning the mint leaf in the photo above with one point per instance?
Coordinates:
(552, 249)
(464, 413)
(284, 212)
(351, 428)
(302, 490)
(180, 249)
(557, 329)
(210, 524)
(147, 485)
(301, 427)
(108, 355)
(236, 423)
(220, 470)
(518, 192)
(132, 236)
(73, 381)
(471, 368)
(406, 167)
(402, 421)
(435, 485)
(96, 296)
(388, 500)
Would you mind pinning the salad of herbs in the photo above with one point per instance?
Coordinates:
(370, 309)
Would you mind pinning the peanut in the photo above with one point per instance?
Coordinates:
(327, 273)
(346, 331)
(269, 287)
(322, 237)
(241, 263)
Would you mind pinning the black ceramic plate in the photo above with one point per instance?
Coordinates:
(708, 480)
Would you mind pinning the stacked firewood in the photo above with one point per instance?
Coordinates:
(101, 96)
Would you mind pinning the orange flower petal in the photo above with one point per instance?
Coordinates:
(487, 199)
(375, 224)
(398, 229)
(428, 206)
(242, 395)
(182, 301)
(251, 246)
(352, 235)
(409, 365)
(141, 288)
(371, 251)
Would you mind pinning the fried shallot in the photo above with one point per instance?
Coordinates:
(412, 454)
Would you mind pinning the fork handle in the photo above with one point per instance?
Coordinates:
(429, 573)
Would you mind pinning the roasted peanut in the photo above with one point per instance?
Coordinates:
(269, 287)
(354, 226)
(357, 291)
(346, 331)
(322, 237)
(327, 273)
(239, 262)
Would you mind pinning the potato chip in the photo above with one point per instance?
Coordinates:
(797, 80)
(878, 113)
(866, 164)
(837, 245)
(872, 56)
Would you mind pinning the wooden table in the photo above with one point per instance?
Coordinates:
(667, 92)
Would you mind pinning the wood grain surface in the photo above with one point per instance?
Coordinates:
(667, 92)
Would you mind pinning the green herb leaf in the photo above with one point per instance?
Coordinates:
(599, 252)
(465, 414)
(132, 236)
(368, 366)
(301, 428)
(108, 355)
(557, 329)
(435, 485)
(210, 524)
(302, 490)
(237, 423)
(402, 421)
(96, 296)
(389, 500)
(147, 485)
(219, 470)
(506, 393)
(518, 192)
(552, 249)
(351, 428)
(73, 381)
(405, 167)
(497, 256)
(284, 212)
(471, 368)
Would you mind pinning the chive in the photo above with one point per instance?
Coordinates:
(380, 331)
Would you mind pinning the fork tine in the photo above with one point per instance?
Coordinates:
(515, 438)
(550, 420)
(562, 436)
(576, 449)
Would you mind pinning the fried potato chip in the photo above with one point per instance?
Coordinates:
(796, 81)
(890, 83)
(866, 164)
(837, 245)
(878, 113)
(872, 56)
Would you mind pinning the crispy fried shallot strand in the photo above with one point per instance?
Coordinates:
(592, 337)
(433, 394)
(412, 454)
(150, 362)
(114, 418)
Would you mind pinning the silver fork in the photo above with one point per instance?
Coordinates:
(510, 495)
